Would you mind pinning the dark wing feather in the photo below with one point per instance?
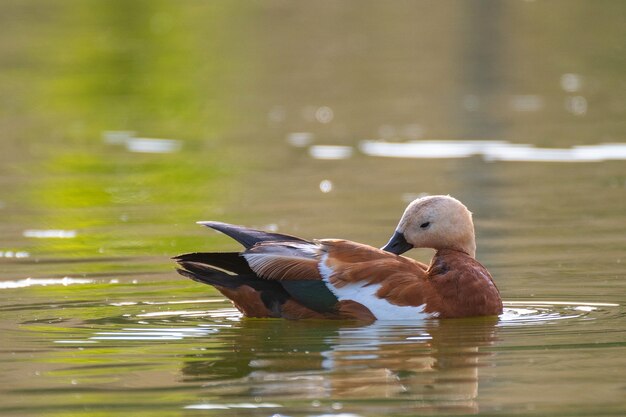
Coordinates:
(289, 262)
(312, 294)
(295, 266)
(249, 237)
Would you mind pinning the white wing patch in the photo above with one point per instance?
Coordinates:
(366, 295)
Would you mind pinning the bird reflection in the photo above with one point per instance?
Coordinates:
(427, 365)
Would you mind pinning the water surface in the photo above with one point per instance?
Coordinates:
(124, 123)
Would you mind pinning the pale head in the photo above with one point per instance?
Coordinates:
(438, 222)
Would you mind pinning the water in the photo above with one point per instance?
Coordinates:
(95, 351)
(124, 123)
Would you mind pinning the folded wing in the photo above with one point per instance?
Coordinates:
(391, 286)
(284, 276)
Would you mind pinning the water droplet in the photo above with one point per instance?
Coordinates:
(324, 114)
(571, 82)
(576, 105)
(326, 186)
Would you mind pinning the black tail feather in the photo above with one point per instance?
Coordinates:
(272, 293)
(249, 237)
(230, 270)
(229, 261)
(207, 275)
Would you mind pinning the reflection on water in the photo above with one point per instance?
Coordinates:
(133, 333)
(149, 145)
(141, 145)
(209, 358)
(117, 137)
(208, 406)
(300, 139)
(330, 152)
(434, 363)
(14, 254)
(433, 366)
(494, 151)
(51, 233)
(489, 150)
(29, 282)
(535, 312)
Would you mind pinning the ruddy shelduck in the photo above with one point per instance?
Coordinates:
(279, 275)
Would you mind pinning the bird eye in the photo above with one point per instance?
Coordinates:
(425, 225)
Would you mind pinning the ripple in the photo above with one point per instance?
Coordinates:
(518, 313)
(134, 333)
(222, 313)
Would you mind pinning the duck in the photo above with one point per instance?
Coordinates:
(282, 276)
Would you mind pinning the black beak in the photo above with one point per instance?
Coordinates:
(397, 244)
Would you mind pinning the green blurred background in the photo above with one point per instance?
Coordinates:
(235, 84)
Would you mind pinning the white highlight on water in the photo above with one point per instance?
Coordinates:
(153, 145)
(29, 282)
(492, 151)
(209, 406)
(330, 152)
(49, 233)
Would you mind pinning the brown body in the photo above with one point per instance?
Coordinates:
(284, 276)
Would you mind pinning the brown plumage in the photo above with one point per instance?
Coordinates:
(284, 276)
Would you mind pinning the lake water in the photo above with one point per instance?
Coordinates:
(123, 123)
